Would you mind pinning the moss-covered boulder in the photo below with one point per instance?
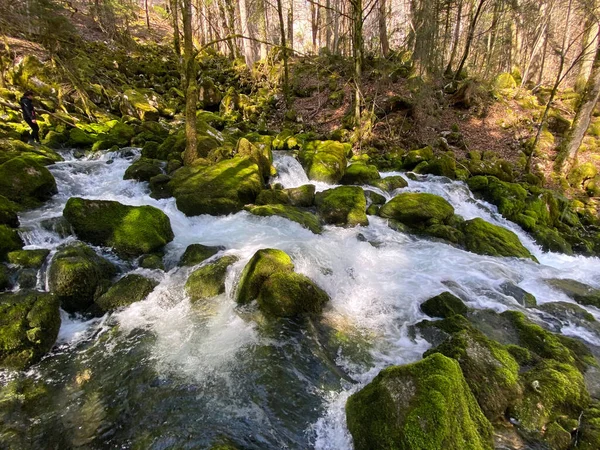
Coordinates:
(8, 212)
(490, 370)
(25, 181)
(588, 434)
(78, 275)
(130, 230)
(29, 324)
(360, 173)
(32, 259)
(224, 188)
(208, 94)
(443, 165)
(141, 103)
(306, 219)
(444, 305)
(289, 294)
(209, 280)
(9, 241)
(143, 169)
(273, 197)
(390, 184)
(301, 196)
(80, 139)
(159, 186)
(129, 289)
(485, 238)
(196, 253)
(263, 158)
(154, 262)
(261, 266)
(344, 205)
(421, 406)
(413, 158)
(414, 209)
(580, 292)
(325, 160)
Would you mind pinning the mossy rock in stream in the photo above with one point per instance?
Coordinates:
(580, 292)
(413, 158)
(421, 406)
(490, 370)
(261, 266)
(588, 435)
(301, 196)
(28, 258)
(129, 289)
(273, 197)
(196, 253)
(143, 169)
(344, 205)
(80, 139)
(130, 230)
(78, 275)
(26, 182)
(290, 294)
(263, 158)
(485, 238)
(224, 188)
(417, 209)
(29, 324)
(444, 305)
(360, 173)
(306, 219)
(390, 184)
(9, 241)
(8, 212)
(324, 160)
(209, 280)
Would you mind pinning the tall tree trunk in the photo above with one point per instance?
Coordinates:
(226, 28)
(191, 92)
(328, 25)
(589, 39)
(589, 98)
(314, 25)
(284, 51)
(492, 36)
(383, 37)
(357, 51)
(470, 36)
(262, 21)
(175, 14)
(147, 14)
(246, 31)
(455, 40)
(290, 29)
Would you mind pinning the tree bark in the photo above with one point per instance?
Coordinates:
(290, 29)
(357, 51)
(191, 91)
(175, 14)
(383, 37)
(455, 40)
(470, 36)
(147, 14)
(284, 52)
(246, 30)
(589, 38)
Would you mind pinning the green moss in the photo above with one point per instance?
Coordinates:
(262, 158)
(344, 205)
(9, 241)
(29, 324)
(285, 141)
(580, 292)
(390, 184)
(444, 165)
(273, 197)
(490, 370)
(360, 173)
(557, 437)
(485, 238)
(301, 196)
(80, 139)
(141, 103)
(55, 140)
(416, 209)
(196, 253)
(413, 158)
(444, 305)
(129, 289)
(220, 189)
(306, 219)
(421, 406)
(589, 431)
(520, 354)
(505, 81)
(76, 276)
(152, 262)
(261, 266)
(552, 389)
(8, 212)
(28, 258)
(26, 182)
(209, 280)
(567, 311)
(551, 240)
(130, 230)
(143, 169)
(581, 173)
(325, 160)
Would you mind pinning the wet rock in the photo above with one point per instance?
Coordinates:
(130, 230)
(360, 173)
(588, 436)
(78, 275)
(209, 280)
(8, 212)
(263, 157)
(306, 219)
(417, 208)
(80, 139)
(152, 262)
(159, 186)
(29, 324)
(344, 205)
(9, 241)
(443, 165)
(325, 160)
(580, 292)
(28, 258)
(26, 182)
(522, 297)
(143, 170)
(27, 278)
(129, 289)
(301, 196)
(390, 184)
(415, 157)
(424, 405)
(196, 253)
(273, 197)
(261, 266)
(444, 305)
(485, 238)
(568, 312)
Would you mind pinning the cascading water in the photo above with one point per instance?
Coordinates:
(163, 373)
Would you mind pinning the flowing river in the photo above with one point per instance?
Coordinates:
(163, 374)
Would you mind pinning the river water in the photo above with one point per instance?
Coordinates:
(163, 374)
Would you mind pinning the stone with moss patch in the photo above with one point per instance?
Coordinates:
(360, 173)
(9, 241)
(8, 212)
(29, 324)
(390, 184)
(325, 160)
(80, 139)
(415, 209)
(26, 182)
(129, 289)
(344, 205)
(143, 169)
(444, 305)
(301, 196)
(28, 258)
(306, 219)
(209, 280)
(152, 262)
(485, 238)
(580, 292)
(196, 253)
(413, 158)
(421, 406)
(261, 266)
(588, 436)
(273, 197)
(130, 230)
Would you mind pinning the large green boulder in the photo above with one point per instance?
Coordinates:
(224, 188)
(196, 253)
(209, 280)
(578, 291)
(143, 169)
(290, 294)
(390, 184)
(80, 139)
(130, 230)
(262, 157)
(141, 103)
(32, 259)
(485, 238)
(306, 219)
(129, 289)
(29, 324)
(344, 205)
(414, 209)
(325, 160)
(8, 212)
(26, 182)
(302, 196)
(9, 241)
(421, 406)
(261, 266)
(273, 197)
(360, 173)
(78, 275)
(415, 157)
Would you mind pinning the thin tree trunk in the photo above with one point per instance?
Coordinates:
(226, 28)
(191, 92)
(328, 25)
(470, 36)
(262, 20)
(147, 14)
(284, 50)
(357, 50)
(383, 36)
(175, 14)
(246, 31)
(456, 39)
(589, 38)
(290, 29)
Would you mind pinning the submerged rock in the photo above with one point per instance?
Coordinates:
(26, 182)
(196, 253)
(29, 324)
(344, 205)
(209, 280)
(306, 219)
(78, 275)
(421, 406)
(129, 289)
(130, 230)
